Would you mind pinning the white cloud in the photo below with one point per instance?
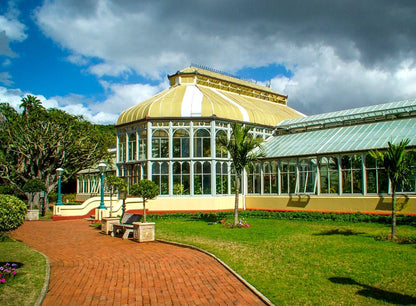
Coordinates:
(329, 83)
(11, 30)
(119, 98)
(109, 69)
(14, 29)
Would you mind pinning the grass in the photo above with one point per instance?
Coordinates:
(301, 262)
(25, 288)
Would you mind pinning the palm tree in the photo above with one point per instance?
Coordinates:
(30, 103)
(397, 169)
(241, 147)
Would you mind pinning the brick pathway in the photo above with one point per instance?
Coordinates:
(89, 268)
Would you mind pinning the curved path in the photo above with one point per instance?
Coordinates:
(90, 268)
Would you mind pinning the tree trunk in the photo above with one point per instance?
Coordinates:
(144, 210)
(237, 188)
(393, 214)
(111, 203)
(45, 207)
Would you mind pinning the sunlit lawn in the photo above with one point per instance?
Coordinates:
(26, 287)
(301, 262)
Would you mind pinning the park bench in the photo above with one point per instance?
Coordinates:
(126, 225)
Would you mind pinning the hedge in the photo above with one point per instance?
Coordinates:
(291, 215)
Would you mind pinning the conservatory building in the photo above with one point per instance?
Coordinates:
(171, 138)
(320, 162)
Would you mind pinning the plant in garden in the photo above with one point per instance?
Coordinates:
(397, 168)
(241, 147)
(12, 213)
(31, 188)
(115, 184)
(242, 223)
(147, 190)
(7, 271)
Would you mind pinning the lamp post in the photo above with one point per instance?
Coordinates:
(59, 172)
(102, 167)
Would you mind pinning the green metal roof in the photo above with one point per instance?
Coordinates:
(354, 138)
(361, 114)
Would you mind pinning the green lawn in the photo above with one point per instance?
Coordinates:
(25, 288)
(301, 262)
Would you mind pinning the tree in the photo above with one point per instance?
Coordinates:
(147, 190)
(241, 147)
(397, 169)
(31, 188)
(114, 184)
(30, 104)
(34, 144)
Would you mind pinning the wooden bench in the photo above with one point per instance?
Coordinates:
(126, 225)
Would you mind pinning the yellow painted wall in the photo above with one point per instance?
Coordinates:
(160, 204)
(370, 204)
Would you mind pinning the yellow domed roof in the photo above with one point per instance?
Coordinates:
(196, 92)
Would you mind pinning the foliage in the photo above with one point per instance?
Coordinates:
(397, 168)
(147, 190)
(38, 141)
(12, 212)
(31, 187)
(293, 262)
(244, 150)
(114, 184)
(7, 189)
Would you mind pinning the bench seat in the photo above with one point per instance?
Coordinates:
(126, 225)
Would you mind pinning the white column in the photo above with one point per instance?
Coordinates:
(339, 175)
(213, 155)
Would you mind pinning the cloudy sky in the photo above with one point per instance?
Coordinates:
(98, 57)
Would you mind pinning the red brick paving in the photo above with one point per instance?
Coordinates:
(90, 268)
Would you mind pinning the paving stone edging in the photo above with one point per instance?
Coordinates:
(242, 280)
(45, 287)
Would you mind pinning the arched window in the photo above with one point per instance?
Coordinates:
(220, 152)
(351, 173)
(270, 177)
(377, 179)
(142, 144)
(160, 144)
(288, 176)
(132, 146)
(254, 182)
(307, 175)
(329, 174)
(122, 147)
(202, 178)
(202, 143)
(221, 178)
(181, 143)
(181, 178)
(160, 175)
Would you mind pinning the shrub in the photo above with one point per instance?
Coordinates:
(7, 189)
(12, 212)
